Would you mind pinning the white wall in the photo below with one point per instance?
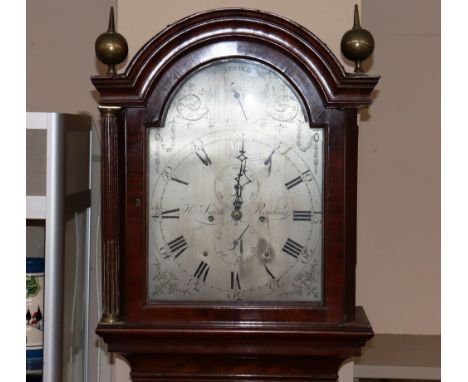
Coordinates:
(398, 272)
(139, 20)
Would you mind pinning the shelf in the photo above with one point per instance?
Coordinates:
(33, 372)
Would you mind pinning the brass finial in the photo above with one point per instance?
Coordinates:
(111, 47)
(357, 44)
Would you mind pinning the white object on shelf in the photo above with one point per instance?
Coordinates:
(36, 207)
(38, 121)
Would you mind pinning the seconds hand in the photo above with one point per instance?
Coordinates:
(239, 241)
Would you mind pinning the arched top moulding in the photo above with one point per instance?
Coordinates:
(337, 88)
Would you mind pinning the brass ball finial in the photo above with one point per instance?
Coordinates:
(357, 44)
(111, 47)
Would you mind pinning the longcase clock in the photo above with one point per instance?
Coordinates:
(229, 176)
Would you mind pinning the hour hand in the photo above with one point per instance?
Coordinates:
(238, 187)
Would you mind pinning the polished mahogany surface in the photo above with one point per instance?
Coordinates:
(229, 341)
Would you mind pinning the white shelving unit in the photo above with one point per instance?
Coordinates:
(58, 180)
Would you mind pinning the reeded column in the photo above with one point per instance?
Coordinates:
(110, 213)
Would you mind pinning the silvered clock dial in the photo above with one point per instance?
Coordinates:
(235, 191)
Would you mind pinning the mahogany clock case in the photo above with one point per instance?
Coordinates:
(136, 100)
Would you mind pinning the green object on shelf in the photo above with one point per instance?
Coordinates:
(32, 286)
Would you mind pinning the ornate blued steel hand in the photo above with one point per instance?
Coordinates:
(238, 186)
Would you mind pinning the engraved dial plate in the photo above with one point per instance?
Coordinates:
(235, 191)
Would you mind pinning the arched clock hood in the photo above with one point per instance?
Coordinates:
(235, 32)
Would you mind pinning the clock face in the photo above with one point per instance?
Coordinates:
(235, 191)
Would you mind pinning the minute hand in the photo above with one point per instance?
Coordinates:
(238, 187)
(238, 190)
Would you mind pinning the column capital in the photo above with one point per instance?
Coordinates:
(109, 110)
